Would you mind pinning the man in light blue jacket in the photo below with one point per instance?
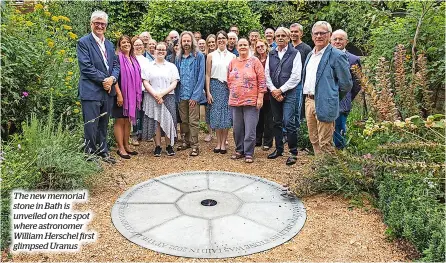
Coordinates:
(326, 80)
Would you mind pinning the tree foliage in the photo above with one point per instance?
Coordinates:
(401, 30)
(204, 16)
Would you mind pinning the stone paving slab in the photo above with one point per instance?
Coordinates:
(208, 214)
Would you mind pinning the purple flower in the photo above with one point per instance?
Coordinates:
(25, 94)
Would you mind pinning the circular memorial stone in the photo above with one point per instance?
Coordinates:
(208, 214)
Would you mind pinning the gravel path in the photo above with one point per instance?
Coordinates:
(332, 232)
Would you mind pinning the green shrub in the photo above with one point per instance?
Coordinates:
(411, 208)
(37, 61)
(43, 157)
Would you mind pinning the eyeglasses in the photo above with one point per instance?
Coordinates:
(281, 36)
(100, 24)
(138, 45)
(260, 46)
(320, 34)
(338, 39)
(221, 38)
(161, 50)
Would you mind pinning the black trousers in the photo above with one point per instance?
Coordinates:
(96, 115)
(264, 129)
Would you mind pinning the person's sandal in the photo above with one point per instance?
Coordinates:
(237, 156)
(194, 152)
(248, 159)
(183, 146)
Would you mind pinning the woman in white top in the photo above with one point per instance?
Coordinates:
(138, 46)
(217, 90)
(159, 103)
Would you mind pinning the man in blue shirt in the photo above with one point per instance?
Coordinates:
(189, 92)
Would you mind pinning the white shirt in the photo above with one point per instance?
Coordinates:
(101, 46)
(220, 64)
(311, 70)
(294, 79)
(144, 64)
(161, 75)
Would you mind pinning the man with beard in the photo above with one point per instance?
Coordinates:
(191, 65)
(326, 80)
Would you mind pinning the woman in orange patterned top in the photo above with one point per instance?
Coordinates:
(246, 83)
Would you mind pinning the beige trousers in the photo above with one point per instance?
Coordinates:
(190, 117)
(320, 133)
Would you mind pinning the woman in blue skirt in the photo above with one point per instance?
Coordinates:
(217, 91)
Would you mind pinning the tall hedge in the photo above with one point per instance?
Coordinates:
(205, 16)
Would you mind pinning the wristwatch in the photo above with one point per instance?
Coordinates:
(114, 79)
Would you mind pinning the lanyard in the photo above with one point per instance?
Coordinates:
(102, 51)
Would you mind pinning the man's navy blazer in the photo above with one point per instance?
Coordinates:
(346, 102)
(333, 82)
(93, 70)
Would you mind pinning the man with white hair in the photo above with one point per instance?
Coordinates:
(339, 40)
(99, 71)
(174, 35)
(232, 43)
(282, 72)
(269, 36)
(326, 80)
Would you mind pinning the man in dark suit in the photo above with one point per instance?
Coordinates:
(326, 80)
(339, 40)
(99, 71)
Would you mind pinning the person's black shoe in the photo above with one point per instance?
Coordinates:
(223, 151)
(132, 152)
(108, 159)
(170, 151)
(274, 155)
(291, 160)
(157, 152)
(123, 156)
(217, 150)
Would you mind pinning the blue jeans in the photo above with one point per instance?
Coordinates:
(299, 96)
(340, 130)
(283, 116)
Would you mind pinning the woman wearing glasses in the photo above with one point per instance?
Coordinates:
(264, 129)
(159, 104)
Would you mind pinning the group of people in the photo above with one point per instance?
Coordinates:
(256, 86)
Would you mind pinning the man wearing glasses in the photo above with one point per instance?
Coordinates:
(326, 80)
(99, 71)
